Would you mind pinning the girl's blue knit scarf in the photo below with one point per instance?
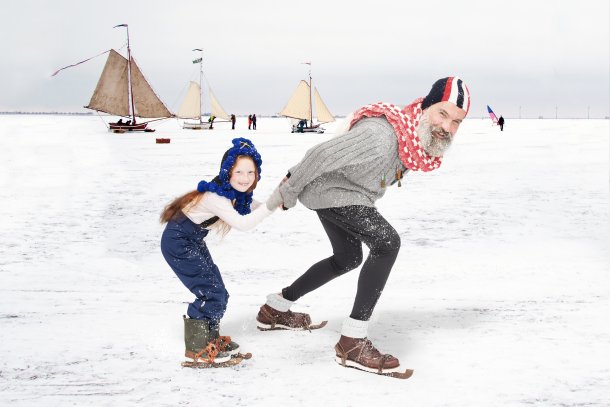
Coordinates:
(220, 184)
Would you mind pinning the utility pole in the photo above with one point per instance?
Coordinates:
(555, 111)
(519, 111)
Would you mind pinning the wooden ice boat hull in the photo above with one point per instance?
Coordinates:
(316, 129)
(121, 128)
(197, 126)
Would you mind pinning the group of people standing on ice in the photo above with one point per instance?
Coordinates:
(252, 122)
(233, 119)
(340, 179)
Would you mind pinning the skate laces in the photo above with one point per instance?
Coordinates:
(369, 348)
(366, 348)
(223, 342)
(300, 319)
(374, 353)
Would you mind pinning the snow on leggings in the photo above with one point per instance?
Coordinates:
(347, 228)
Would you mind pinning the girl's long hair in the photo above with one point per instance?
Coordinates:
(175, 207)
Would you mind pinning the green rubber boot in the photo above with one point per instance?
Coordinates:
(199, 342)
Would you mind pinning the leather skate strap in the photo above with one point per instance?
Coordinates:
(342, 354)
(270, 316)
(384, 358)
(212, 351)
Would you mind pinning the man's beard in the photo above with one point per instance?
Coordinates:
(434, 146)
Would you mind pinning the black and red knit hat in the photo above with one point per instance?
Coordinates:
(451, 89)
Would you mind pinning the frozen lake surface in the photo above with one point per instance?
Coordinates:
(499, 297)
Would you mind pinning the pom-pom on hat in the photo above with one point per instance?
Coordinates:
(451, 89)
(220, 184)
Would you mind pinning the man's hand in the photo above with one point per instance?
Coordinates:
(275, 200)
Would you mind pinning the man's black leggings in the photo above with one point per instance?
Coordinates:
(347, 228)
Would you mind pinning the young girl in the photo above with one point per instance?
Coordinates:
(222, 204)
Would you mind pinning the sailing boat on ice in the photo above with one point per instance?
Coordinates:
(300, 108)
(192, 105)
(122, 90)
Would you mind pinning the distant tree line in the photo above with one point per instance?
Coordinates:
(52, 113)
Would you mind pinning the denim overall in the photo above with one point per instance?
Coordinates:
(184, 249)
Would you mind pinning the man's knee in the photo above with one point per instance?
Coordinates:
(389, 242)
(344, 263)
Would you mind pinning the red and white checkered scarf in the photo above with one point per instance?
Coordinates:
(405, 123)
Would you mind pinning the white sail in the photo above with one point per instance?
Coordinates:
(111, 93)
(299, 105)
(146, 102)
(217, 109)
(322, 112)
(191, 106)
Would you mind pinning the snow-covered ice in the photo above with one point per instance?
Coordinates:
(499, 297)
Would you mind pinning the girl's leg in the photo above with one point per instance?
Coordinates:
(208, 287)
(193, 264)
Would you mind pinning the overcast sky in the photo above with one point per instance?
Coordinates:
(515, 55)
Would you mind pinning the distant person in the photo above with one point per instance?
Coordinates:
(501, 123)
(249, 121)
(233, 119)
(341, 179)
(128, 123)
(120, 121)
(301, 126)
(211, 121)
(254, 122)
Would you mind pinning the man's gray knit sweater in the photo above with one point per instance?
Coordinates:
(346, 170)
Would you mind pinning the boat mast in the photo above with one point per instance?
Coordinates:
(200, 87)
(310, 101)
(133, 109)
(130, 89)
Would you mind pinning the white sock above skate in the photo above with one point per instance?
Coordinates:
(354, 328)
(276, 301)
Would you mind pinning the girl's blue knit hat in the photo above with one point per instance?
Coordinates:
(220, 184)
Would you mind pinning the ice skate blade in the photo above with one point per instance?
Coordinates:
(233, 353)
(266, 327)
(220, 358)
(395, 372)
(233, 361)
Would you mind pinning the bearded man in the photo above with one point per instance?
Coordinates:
(341, 179)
